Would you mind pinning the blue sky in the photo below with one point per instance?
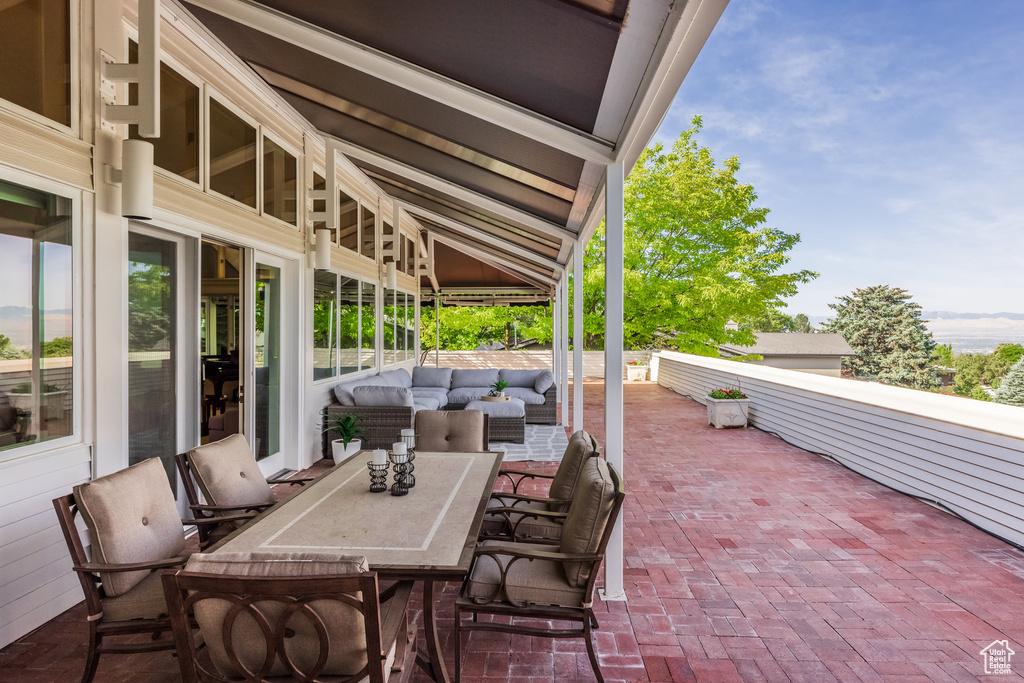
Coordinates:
(889, 135)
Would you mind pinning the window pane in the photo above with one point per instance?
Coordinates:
(177, 148)
(267, 351)
(368, 324)
(325, 324)
(410, 256)
(279, 169)
(35, 51)
(410, 326)
(319, 183)
(232, 155)
(152, 322)
(36, 278)
(369, 233)
(348, 325)
(348, 222)
(399, 327)
(389, 326)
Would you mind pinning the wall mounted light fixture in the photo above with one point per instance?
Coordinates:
(136, 179)
(323, 249)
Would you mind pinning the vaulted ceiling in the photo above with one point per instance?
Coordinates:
(492, 121)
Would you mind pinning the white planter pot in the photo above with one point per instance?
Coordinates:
(341, 453)
(727, 412)
(636, 373)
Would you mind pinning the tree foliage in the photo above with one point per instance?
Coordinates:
(1011, 390)
(777, 321)
(466, 327)
(697, 254)
(884, 327)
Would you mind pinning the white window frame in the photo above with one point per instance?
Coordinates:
(300, 181)
(362, 372)
(211, 93)
(76, 197)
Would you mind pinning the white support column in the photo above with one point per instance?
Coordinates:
(556, 329)
(577, 336)
(563, 348)
(614, 588)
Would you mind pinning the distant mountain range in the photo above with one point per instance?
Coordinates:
(967, 332)
(949, 315)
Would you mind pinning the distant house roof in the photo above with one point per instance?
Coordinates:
(792, 344)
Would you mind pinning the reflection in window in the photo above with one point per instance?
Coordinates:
(177, 148)
(152, 351)
(399, 327)
(389, 327)
(35, 51)
(325, 324)
(232, 155)
(369, 234)
(368, 325)
(279, 182)
(410, 256)
(36, 368)
(348, 325)
(348, 222)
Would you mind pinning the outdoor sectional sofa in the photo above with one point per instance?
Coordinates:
(387, 402)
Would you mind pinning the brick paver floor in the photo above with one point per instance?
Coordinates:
(747, 560)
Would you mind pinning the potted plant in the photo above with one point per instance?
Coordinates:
(727, 408)
(636, 370)
(347, 428)
(498, 388)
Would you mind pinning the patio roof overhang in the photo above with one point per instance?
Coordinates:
(492, 123)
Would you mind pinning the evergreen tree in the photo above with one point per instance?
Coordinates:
(884, 327)
(1011, 390)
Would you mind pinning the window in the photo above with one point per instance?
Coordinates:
(348, 222)
(369, 234)
(348, 325)
(343, 325)
(279, 182)
(400, 335)
(410, 327)
(36, 315)
(369, 325)
(35, 51)
(177, 148)
(410, 256)
(232, 155)
(325, 324)
(389, 326)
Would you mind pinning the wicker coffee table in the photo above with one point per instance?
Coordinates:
(506, 419)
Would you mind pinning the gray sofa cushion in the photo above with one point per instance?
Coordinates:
(382, 396)
(436, 393)
(526, 395)
(397, 378)
(466, 394)
(473, 378)
(425, 403)
(440, 378)
(520, 378)
(544, 381)
(510, 408)
(343, 391)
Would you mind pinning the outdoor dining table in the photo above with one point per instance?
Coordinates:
(427, 535)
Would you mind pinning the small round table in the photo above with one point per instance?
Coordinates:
(506, 420)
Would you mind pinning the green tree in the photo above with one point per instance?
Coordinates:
(943, 355)
(7, 350)
(466, 327)
(776, 321)
(1011, 389)
(60, 347)
(884, 327)
(697, 254)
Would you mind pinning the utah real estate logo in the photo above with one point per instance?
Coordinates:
(996, 657)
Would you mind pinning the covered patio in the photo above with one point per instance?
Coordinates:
(746, 559)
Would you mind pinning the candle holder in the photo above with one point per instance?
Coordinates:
(401, 469)
(378, 477)
(408, 437)
(410, 478)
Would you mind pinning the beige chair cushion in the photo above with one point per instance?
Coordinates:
(457, 431)
(131, 517)
(539, 582)
(494, 524)
(563, 486)
(144, 601)
(344, 622)
(227, 473)
(588, 515)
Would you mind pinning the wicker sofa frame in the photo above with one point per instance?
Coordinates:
(381, 424)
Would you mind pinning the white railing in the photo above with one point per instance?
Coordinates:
(964, 455)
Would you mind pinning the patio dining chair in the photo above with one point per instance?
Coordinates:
(451, 431)
(231, 483)
(503, 519)
(531, 581)
(135, 530)
(273, 617)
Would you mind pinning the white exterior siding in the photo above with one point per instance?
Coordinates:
(965, 455)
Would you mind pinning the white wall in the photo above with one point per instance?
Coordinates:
(966, 455)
